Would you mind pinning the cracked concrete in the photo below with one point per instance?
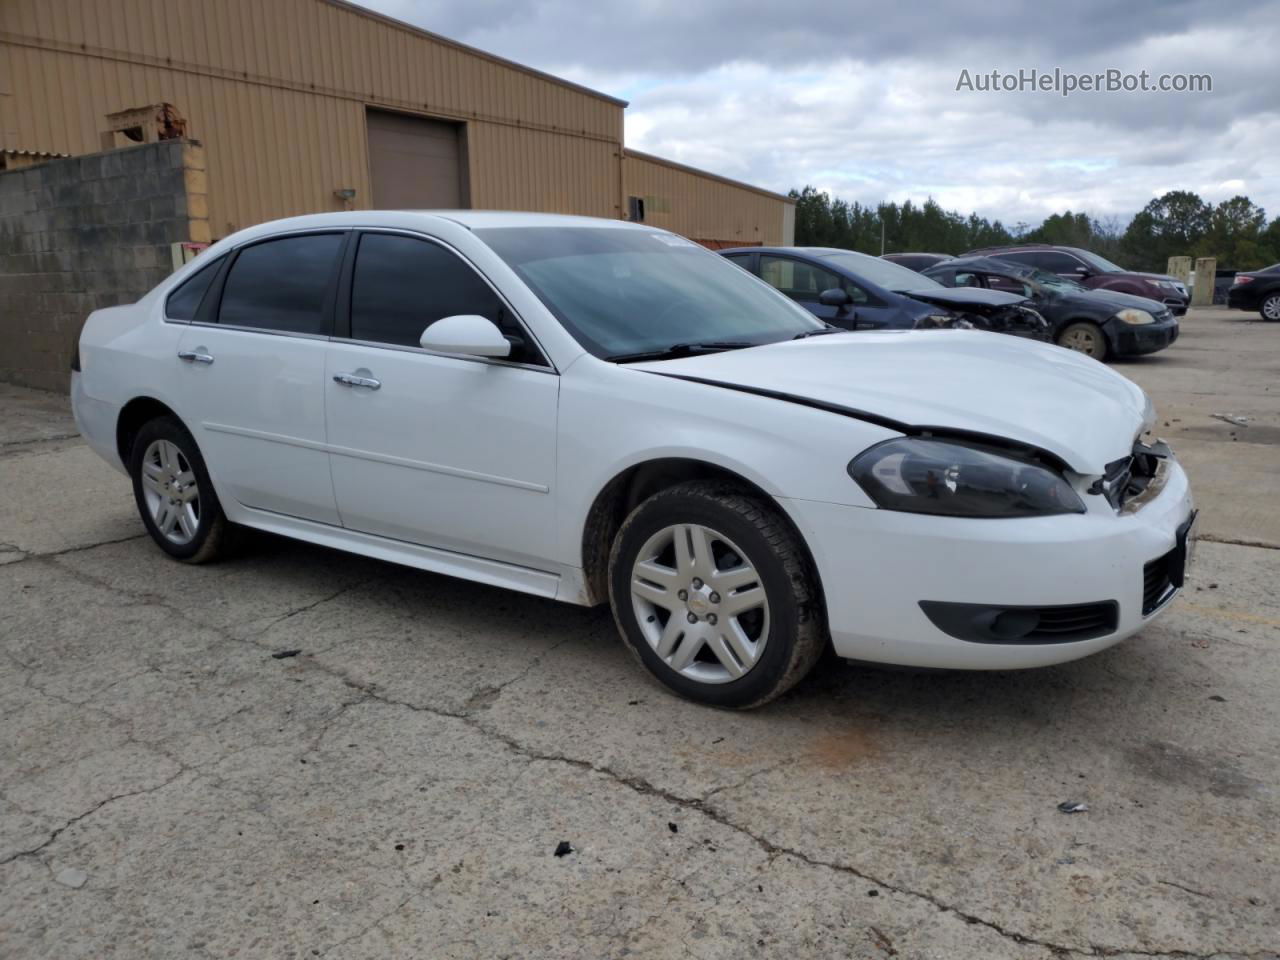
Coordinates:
(397, 788)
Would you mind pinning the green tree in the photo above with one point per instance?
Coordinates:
(1168, 226)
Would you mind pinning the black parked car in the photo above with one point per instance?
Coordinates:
(1257, 290)
(859, 292)
(1101, 323)
(918, 262)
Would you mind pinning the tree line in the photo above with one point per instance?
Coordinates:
(1179, 223)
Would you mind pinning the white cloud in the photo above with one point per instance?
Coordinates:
(860, 98)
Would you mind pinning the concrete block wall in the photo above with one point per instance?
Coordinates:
(85, 232)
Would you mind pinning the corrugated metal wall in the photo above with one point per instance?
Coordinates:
(262, 83)
(704, 207)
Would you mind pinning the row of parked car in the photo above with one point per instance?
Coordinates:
(1060, 294)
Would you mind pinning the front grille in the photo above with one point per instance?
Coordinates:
(1157, 583)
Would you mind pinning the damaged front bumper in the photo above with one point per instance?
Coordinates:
(1089, 571)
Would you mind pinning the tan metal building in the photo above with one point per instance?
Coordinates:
(312, 105)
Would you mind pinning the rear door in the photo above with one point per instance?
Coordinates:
(253, 377)
(447, 451)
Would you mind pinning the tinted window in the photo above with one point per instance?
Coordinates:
(741, 259)
(281, 284)
(798, 280)
(402, 285)
(1026, 258)
(185, 300)
(1058, 262)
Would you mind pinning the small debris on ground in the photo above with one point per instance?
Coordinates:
(673, 827)
(1231, 418)
(564, 848)
(1073, 806)
(71, 877)
(284, 654)
(873, 893)
(1218, 697)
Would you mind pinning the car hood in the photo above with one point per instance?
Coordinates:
(959, 380)
(966, 298)
(1120, 301)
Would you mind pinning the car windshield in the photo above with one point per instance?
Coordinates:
(1101, 264)
(1054, 281)
(882, 273)
(621, 292)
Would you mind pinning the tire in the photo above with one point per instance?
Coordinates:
(1269, 309)
(1084, 337)
(776, 631)
(193, 528)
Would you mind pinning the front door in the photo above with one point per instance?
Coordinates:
(253, 382)
(450, 452)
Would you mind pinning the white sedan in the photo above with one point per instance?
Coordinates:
(598, 411)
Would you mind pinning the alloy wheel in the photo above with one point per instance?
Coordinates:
(1271, 308)
(1082, 341)
(700, 603)
(171, 492)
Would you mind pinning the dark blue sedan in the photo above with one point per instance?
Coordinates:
(858, 292)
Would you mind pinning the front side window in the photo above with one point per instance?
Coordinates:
(281, 284)
(402, 285)
(797, 279)
(622, 291)
(186, 297)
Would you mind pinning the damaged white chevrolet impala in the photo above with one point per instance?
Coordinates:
(598, 411)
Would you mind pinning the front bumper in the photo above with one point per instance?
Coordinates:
(1129, 340)
(876, 567)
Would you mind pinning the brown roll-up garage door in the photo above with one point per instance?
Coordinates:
(415, 163)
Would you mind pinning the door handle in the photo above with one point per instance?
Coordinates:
(195, 356)
(352, 380)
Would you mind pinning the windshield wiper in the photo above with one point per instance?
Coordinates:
(821, 331)
(680, 350)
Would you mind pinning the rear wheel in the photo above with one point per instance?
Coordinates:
(1270, 307)
(174, 494)
(1086, 338)
(712, 593)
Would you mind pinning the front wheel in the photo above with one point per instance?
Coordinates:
(712, 593)
(1270, 308)
(1086, 338)
(174, 494)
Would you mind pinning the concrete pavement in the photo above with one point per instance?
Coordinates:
(298, 753)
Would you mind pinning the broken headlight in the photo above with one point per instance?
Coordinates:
(919, 475)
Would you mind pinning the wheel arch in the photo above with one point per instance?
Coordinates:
(635, 484)
(133, 416)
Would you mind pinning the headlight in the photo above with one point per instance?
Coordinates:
(1135, 317)
(950, 479)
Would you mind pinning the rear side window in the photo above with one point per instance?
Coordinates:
(281, 284)
(1027, 259)
(184, 301)
(1058, 262)
(402, 285)
(741, 259)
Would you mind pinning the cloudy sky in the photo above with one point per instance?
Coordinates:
(859, 98)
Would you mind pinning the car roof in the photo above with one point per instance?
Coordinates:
(817, 252)
(471, 219)
(991, 264)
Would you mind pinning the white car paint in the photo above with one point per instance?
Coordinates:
(488, 470)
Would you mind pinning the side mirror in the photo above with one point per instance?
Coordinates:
(466, 333)
(1083, 272)
(835, 297)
